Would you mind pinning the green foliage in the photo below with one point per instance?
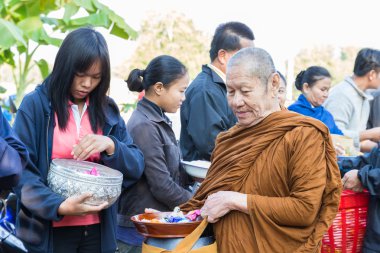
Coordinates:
(23, 26)
(10, 35)
(128, 107)
(43, 66)
(172, 34)
(2, 90)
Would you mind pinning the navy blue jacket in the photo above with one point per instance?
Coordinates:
(369, 175)
(204, 114)
(13, 155)
(38, 204)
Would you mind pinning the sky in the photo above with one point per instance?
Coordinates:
(282, 27)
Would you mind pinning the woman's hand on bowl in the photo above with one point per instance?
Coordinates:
(75, 205)
(91, 144)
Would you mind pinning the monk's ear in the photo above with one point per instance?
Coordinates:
(274, 84)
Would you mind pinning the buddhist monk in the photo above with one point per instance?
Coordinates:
(274, 184)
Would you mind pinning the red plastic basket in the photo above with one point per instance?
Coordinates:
(348, 228)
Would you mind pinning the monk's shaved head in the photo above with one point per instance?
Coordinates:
(253, 61)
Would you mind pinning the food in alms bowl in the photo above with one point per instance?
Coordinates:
(167, 224)
(176, 216)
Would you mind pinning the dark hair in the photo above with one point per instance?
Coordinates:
(164, 69)
(227, 36)
(310, 76)
(367, 59)
(79, 51)
(282, 77)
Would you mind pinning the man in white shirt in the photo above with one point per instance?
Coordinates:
(349, 104)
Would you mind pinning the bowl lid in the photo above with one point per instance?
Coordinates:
(80, 166)
(75, 163)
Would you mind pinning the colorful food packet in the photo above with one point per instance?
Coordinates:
(193, 215)
(175, 219)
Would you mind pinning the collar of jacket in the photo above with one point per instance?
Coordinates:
(359, 91)
(215, 77)
(152, 114)
(111, 111)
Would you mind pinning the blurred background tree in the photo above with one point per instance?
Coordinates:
(25, 25)
(172, 34)
(339, 61)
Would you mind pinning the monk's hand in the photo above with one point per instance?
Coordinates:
(220, 203)
(91, 144)
(351, 181)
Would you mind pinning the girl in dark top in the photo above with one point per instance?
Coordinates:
(161, 187)
(314, 83)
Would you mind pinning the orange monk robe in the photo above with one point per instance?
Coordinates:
(287, 166)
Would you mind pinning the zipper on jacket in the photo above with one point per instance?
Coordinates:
(109, 131)
(47, 143)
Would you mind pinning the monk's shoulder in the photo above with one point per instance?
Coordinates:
(303, 141)
(301, 134)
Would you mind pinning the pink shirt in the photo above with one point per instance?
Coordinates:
(77, 127)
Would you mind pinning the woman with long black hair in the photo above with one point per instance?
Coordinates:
(71, 116)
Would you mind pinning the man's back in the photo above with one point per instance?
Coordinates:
(204, 114)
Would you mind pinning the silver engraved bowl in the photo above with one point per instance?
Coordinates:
(68, 177)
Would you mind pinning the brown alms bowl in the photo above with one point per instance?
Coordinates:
(162, 230)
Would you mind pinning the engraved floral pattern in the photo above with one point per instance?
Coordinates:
(67, 178)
